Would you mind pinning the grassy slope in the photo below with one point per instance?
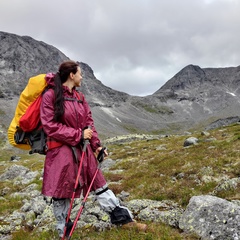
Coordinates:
(174, 172)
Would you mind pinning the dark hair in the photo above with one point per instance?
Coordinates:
(61, 77)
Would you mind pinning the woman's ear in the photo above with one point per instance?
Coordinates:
(71, 75)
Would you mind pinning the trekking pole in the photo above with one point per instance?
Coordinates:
(100, 158)
(75, 187)
(82, 205)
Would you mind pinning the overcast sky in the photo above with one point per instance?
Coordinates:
(134, 46)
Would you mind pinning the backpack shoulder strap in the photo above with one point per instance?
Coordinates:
(79, 96)
(47, 88)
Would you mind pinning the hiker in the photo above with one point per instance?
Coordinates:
(67, 121)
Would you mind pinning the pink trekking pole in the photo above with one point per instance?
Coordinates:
(100, 158)
(82, 205)
(75, 188)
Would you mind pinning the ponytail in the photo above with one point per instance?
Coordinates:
(61, 77)
(58, 91)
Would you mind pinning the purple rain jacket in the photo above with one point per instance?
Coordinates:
(60, 168)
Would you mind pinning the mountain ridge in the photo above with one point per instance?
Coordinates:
(193, 97)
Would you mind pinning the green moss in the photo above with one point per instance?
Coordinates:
(153, 109)
(8, 205)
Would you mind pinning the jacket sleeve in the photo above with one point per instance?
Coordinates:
(56, 130)
(95, 141)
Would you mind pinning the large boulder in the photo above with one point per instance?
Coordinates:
(211, 217)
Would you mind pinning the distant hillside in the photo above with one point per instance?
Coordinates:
(203, 95)
(194, 97)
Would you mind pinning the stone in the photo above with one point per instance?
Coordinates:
(190, 141)
(211, 217)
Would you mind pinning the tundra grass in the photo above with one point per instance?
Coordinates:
(176, 172)
(154, 232)
(153, 169)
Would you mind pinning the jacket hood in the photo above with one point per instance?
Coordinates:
(50, 79)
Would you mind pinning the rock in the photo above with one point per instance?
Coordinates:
(5, 229)
(13, 172)
(190, 141)
(204, 133)
(29, 177)
(223, 122)
(5, 237)
(227, 185)
(170, 217)
(161, 147)
(15, 158)
(123, 195)
(37, 205)
(166, 212)
(211, 218)
(20, 174)
(107, 164)
(5, 191)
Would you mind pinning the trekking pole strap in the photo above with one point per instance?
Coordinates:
(86, 142)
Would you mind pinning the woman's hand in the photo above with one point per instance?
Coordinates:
(104, 152)
(87, 133)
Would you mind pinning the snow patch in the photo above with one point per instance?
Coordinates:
(118, 120)
(233, 94)
(110, 113)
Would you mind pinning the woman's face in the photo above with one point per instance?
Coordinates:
(77, 78)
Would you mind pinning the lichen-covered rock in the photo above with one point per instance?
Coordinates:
(5, 229)
(211, 218)
(169, 217)
(167, 212)
(228, 184)
(20, 175)
(13, 172)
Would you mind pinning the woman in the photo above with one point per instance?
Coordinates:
(67, 120)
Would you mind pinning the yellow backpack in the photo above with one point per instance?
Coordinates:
(30, 95)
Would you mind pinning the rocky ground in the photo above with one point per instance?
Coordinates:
(207, 216)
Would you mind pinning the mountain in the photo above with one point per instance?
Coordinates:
(200, 95)
(194, 97)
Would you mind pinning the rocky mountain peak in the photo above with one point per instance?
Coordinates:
(23, 57)
(194, 95)
(193, 77)
(189, 77)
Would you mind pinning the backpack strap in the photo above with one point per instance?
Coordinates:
(79, 96)
(52, 143)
